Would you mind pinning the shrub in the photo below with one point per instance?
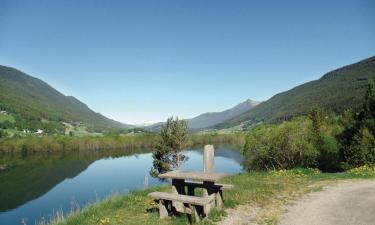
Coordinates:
(361, 151)
(357, 140)
(329, 154)
(283, 146)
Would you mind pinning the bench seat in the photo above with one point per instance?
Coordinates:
(180, 201)
(193, 200)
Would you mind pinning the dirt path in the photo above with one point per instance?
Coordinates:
(347, 203)
(241, 215)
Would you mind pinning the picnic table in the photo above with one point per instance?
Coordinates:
(195, 179)
(184, 184)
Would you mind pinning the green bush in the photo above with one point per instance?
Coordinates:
(361, 151)
(283, 146)
(3, 133)
(357, 140)
(329, 154)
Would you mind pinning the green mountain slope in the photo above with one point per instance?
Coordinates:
(337, 90)
(213, 118)
(34, 101)
(207, 120)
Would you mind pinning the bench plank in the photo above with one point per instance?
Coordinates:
(201, 201)
(191, 175)
(200, 184)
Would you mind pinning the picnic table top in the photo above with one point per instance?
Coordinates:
(194, 175)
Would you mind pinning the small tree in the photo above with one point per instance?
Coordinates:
(167, 152)
(357, 140)
(324, 141)
(317, 118)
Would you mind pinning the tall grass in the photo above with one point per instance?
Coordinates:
(66, 143)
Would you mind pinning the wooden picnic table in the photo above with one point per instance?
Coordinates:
(196, 179)
(184, 183)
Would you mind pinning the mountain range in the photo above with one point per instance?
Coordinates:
(210, 119)
(32, 100)
(336, 91)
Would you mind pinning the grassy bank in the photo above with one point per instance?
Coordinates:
(268, 191)
(66, 143)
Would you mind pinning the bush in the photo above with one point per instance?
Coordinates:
(357, 140)
(3, 133)
(283, 146)
(329, 154)
(361, 151)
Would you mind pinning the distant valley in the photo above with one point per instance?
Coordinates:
(210, 119)
(27, 103)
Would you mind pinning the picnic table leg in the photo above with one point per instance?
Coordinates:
(210, 188)
(191, 191)
(219, 199)
(163, 212)
(194, 212)
(178, 187)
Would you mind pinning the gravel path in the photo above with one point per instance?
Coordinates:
(241, 215)
(347, 203)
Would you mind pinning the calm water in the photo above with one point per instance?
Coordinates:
(34, 186)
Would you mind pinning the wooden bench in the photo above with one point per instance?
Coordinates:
(184, 204)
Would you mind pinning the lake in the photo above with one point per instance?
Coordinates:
(34, 186)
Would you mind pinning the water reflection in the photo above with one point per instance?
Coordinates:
(32, 186)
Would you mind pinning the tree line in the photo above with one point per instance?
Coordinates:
(321, 140)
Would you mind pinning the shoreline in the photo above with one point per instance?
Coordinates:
(266, 192)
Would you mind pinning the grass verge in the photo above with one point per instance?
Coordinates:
(267, 190)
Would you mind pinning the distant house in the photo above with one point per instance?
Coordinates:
(39, 131)
(3, 112)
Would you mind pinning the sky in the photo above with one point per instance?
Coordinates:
(141, 61)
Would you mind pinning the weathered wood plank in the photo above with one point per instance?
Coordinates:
(200, 185)
(163, 212)
(195, 176)
(201, 201)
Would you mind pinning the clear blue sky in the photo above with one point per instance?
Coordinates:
(138, 61)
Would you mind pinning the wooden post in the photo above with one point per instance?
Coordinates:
(208, 158)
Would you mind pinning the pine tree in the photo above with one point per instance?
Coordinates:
(167, 152)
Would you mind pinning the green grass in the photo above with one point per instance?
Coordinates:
(6, 117)
(81, 131)
(267, 190)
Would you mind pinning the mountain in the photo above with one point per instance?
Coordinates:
(210, 119)
(34, 101)
(337, 90)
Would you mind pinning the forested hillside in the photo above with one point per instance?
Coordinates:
(35, 104)
(337, 90)
(212, 118)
